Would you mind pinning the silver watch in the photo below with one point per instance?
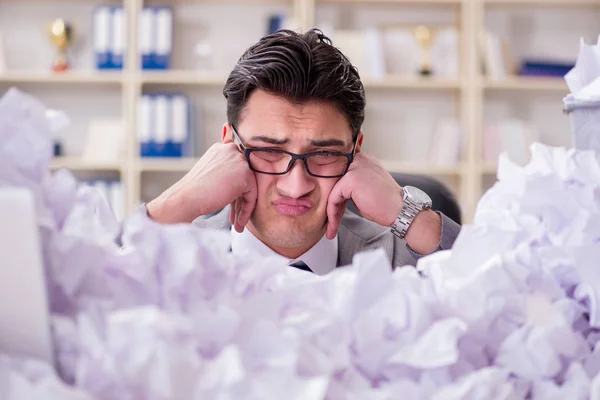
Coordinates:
(415, 201)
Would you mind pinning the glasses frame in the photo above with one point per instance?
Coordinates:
(248, 150)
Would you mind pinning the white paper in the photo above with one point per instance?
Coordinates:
(104, 141)
(583, 103)
(24, 322)
(117, 199)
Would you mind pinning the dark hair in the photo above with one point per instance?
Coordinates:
(298, 67)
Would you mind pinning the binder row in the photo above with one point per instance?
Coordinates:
(112, 190)
(109, 36)
(164, 122)
(155, 37)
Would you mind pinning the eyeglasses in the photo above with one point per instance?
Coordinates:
(321, 164)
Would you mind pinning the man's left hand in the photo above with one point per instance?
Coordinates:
(375, 193)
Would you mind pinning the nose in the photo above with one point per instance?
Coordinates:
(296, 183)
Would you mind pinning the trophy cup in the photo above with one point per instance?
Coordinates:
(424, 37)
(61, 35)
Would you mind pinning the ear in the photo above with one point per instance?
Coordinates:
(359, 141)
(226, 135)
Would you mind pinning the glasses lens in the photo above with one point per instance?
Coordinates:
(275, 162)
(272, 162)
(327, 164)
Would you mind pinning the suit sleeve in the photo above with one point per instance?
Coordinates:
(199, 222)
(450, 231)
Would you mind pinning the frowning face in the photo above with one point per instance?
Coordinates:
(291, 211)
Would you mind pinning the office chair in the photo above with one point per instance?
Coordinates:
(443, 200)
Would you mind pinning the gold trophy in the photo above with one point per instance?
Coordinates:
(424, 37)
(61, 35)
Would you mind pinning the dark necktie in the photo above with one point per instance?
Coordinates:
(300, 265)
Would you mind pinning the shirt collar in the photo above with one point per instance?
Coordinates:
(321, 258)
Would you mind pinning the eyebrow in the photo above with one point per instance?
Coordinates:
(315, 143)
(269, 140)
(328, 143)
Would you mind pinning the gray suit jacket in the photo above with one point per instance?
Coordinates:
(358, 234)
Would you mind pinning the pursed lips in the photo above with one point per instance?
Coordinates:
(292, 207)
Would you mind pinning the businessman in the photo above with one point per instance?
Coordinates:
(289, 160)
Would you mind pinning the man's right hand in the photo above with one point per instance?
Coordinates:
(221, 177)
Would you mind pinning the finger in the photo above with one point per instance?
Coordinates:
(248, 204)
(232, 213)
(238, 207)
(334, 220)
(335, 210)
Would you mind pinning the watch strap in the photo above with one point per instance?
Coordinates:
(406, 217)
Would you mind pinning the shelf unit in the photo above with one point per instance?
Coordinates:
(469, 88)
(76, 77)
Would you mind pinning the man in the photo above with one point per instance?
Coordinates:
(290, 159)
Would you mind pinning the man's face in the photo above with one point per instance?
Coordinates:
(291, 211)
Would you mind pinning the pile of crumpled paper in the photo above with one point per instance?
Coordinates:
(511, 312)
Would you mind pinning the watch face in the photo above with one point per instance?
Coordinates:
(418, 196)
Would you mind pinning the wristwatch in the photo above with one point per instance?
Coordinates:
(415, 201)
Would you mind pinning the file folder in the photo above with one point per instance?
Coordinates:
(162, 124)
(163, 25)
(118, 37)
(179, 133)
(102, 37)
(146, 37)
(145, 123)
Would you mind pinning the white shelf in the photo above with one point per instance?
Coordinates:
(77, 164)
(421, 169)
(391, 2)
(210, 78)
(224, 2)
(565, 3)
(167, 164)
(410, 82)
(467, 91)
(527, 83)
(78, 77)
(183, 77)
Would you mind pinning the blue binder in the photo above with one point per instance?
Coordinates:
(118, 37)
(165, 126)
(146, 38)
(163, 25)
(101, 33)
(156, 38)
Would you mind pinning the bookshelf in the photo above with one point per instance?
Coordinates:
(469, 92)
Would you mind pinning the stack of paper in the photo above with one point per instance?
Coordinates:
(583, 103)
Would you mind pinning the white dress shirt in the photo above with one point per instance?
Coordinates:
(321, 258)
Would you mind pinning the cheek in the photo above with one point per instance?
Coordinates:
(325, 186)
(266, 185)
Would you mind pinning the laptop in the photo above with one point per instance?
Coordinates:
(24, 307)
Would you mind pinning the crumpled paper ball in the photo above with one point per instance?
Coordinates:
(167, 312)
